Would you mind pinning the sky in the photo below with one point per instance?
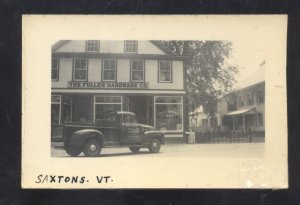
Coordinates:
(247, 55)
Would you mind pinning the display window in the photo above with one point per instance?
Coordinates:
(61, 114)
(55, 109)
(55, 69)
(168, 113)
(105, 104)
(67, 109)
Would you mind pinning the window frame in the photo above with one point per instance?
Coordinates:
(242, 99)
(97, 42)
(60, 108)
(103, 70)
(258, 95)
(131, 71)
(175, 103)
(125, 46)
(249, 99)
(171, 71)
(74, 69)
(106, 103)
(58, 62)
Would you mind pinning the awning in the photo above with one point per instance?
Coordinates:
(238, 112)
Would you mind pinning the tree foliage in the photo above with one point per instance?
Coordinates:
(209, 76)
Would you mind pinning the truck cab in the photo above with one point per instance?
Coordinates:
(116, 129)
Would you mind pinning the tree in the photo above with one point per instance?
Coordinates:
(208, 74)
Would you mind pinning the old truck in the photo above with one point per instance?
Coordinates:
(117, 129)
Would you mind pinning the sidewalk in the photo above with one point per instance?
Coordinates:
(182, 150)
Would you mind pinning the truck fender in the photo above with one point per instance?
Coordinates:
(154, 134)
(79, 137)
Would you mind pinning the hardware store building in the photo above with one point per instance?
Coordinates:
(91, 78)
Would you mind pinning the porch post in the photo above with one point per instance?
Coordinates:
(233, 127)
(244, 125)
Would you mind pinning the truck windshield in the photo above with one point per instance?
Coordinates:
(128, 119)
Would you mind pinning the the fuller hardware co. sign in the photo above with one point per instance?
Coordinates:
(103, 85)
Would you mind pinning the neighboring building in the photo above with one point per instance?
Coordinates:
(198, 120)
(243, 109)
(91, 78)
(246, 108)
(201, 121)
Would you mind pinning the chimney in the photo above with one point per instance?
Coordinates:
(262, 64)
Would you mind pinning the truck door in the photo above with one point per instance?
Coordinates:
(131, 133)
(111, 129)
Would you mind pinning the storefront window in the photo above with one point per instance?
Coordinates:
(128, 119)
(109, 70)
(105, 104)
(54, 69)
(168, 113)
(55, 109)
(137, 70)
(67, 109)
(80, 69)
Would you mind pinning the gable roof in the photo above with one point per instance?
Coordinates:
(158, 44)
(162, 47)
(58, 45)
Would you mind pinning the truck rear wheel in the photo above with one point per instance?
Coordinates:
(135, 149)
(73, 151)
(154, 146)
(92, 148)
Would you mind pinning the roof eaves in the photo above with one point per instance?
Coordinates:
(163, 47)
(58, 45)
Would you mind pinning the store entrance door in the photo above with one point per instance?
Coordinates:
(81, 108)
(138, 105)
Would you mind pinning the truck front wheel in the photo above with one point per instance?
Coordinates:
(154, 146)
(92, 148)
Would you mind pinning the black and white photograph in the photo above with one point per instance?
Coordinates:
(153, 94)
(154, 102)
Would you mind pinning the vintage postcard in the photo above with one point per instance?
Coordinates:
(169, 101)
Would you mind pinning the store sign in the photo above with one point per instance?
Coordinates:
(103, 85)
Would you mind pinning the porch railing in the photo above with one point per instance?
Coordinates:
(230, 137)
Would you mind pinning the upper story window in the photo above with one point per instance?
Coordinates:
(165, 71)
(92, 46)
(137, 70)
(55, 69)
(80, 69)
(260, 97)
(109, 71)
(241, 101)
(131, 46)
(249, 99)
